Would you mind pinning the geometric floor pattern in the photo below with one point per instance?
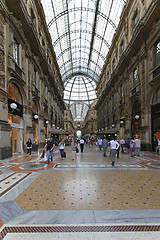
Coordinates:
(97, 165)
(84, 196)
(10, 181)
(92, 189)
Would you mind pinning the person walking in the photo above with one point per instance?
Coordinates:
(122, 143)
(50, 146)
(114, 146)
(73, 148)
(132, 147)
(137, 146)
(104, 146)
(82, 144)
(158, 145)
(100, 143)
(62, 148)
(29, 147)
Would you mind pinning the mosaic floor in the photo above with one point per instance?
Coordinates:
(88, 190)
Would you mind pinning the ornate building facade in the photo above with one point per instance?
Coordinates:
(128, 90)
(31, 89)
(90, 123)
(68, 123)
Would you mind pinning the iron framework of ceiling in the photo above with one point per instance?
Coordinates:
(82, 32)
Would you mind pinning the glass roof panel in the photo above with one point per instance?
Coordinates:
(81, 33)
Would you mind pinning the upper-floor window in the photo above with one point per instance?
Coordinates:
(34, 107)
(107, 76)
(33, 17)
(135, 77)
(16, 51)
(122, 47)
(157, 54)
(35, 78)
(121, 91)
(135, 19)
(113, 64)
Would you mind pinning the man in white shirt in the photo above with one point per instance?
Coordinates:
(114, 146)
(137, 146)
(81, 144)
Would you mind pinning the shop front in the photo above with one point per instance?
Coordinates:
(15, 118)
(155, 119)
(136, 120)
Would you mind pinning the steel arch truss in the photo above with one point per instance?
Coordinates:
(66, 12)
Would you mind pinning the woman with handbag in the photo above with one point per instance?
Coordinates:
(73, 148)
(62, 148)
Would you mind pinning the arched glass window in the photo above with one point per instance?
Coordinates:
(136, 107)
(14, 93)
(156, 97)
(34, 107)
(122, 114)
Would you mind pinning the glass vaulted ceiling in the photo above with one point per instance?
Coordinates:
(81, 31)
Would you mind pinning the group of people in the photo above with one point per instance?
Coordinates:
(133, 145)
(50, 145)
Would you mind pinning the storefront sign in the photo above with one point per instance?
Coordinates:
(18, 111)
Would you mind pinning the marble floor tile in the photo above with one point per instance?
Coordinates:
(82, 236)
(92, 193)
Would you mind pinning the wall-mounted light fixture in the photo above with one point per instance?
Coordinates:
(137, 117)
(13, 105)
(36, 116)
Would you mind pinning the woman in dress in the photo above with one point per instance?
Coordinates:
(73, 148)
(62, 148)
(132, 148)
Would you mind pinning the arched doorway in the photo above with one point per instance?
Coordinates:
(15, 118)
(79, 133)
(155, 118)
(136, 119)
